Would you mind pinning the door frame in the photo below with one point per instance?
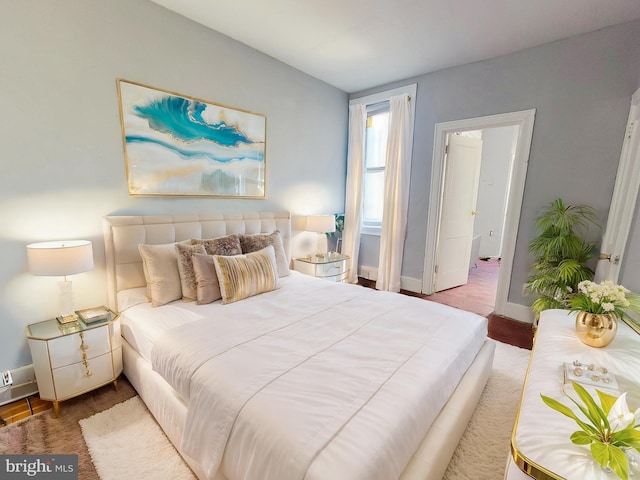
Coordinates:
(523, 119)
(623, 201)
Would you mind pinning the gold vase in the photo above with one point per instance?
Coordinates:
(596, 329)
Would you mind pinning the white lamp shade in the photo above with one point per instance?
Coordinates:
(60, 258)
(321, 223)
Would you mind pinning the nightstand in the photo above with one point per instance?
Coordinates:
(333, 266)
(74, 358)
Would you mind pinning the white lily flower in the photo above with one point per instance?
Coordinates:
(619, 416)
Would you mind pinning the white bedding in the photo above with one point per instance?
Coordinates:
(351, 399)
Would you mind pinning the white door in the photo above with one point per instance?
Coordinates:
(623, 202)
(462, 172)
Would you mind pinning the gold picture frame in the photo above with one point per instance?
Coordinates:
(180, 145)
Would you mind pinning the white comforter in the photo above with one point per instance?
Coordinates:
(315, 380)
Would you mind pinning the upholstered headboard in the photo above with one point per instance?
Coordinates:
(123, 234)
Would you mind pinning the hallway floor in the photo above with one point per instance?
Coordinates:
(479, 294)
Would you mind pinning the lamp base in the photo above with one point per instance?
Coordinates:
(67, 313)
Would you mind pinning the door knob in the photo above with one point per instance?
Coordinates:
(474, 212)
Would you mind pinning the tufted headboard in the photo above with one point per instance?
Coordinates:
(123, 234)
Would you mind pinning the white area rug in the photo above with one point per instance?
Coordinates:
(125, 441)
(484, 448)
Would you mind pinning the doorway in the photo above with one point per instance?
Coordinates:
(524, 121)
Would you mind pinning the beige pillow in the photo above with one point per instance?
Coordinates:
(160, 264)
(229, 245)
(242, 276)
(207, 286)
(255, 242)
(185, 269)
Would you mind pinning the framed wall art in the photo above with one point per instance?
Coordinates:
(180, 145)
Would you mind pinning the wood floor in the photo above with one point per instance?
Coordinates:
(478, 296)
(12, 412)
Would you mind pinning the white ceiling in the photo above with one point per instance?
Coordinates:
(358, 44)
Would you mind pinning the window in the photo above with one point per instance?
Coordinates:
(375, 153)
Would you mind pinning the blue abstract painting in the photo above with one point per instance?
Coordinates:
(180, 145)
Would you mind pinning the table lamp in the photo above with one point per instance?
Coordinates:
(321, 224)
(61, 258)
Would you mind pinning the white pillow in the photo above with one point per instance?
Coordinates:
(160, 264)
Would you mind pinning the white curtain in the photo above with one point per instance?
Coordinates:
(353, 200)
(396, 194)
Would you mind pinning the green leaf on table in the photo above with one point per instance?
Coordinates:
(608, 455)
(581, 438)
(593, 411)
(628, 437)
(606, 401)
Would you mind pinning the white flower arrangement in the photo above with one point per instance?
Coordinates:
(604, 297)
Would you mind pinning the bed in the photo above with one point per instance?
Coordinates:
(308, 380)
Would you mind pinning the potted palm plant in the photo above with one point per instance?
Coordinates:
(561, 254)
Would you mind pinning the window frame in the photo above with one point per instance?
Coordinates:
(375, 103)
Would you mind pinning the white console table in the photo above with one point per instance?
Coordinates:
(540, 442)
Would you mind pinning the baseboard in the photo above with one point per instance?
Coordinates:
(522, 313)
(411, 284)
(406, 283)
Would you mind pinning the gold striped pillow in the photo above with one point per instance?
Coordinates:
(242, 276)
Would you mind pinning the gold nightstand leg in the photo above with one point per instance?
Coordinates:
(56, 409)
(115, 384)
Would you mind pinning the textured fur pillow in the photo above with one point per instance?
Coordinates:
(243, 276)
(185, 269)
(253, 243)
(207, 286)
(229, 245)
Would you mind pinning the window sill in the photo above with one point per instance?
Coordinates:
(374, 231)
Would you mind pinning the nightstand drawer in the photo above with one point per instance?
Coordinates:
(66, 350)
(331, 269)
(72, 380)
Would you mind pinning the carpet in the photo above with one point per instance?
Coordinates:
(481, 453)
(126, 442)
(43, 433)
(484, 447)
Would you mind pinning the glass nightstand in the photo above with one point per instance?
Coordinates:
(332, 266)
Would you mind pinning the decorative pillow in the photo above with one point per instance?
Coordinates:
(253, 243)
(160, 264)
(243, 276)
(185, 269)
(229, 245)
(207, 286)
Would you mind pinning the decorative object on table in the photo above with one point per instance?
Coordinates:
(61, 258)
(599, 305)
(590, 374)
(93, 315)
(561, 254)
(322, 225)
(180, 145)
(609, 429)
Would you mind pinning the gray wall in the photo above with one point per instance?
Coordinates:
(62, 157)
(581, 88)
